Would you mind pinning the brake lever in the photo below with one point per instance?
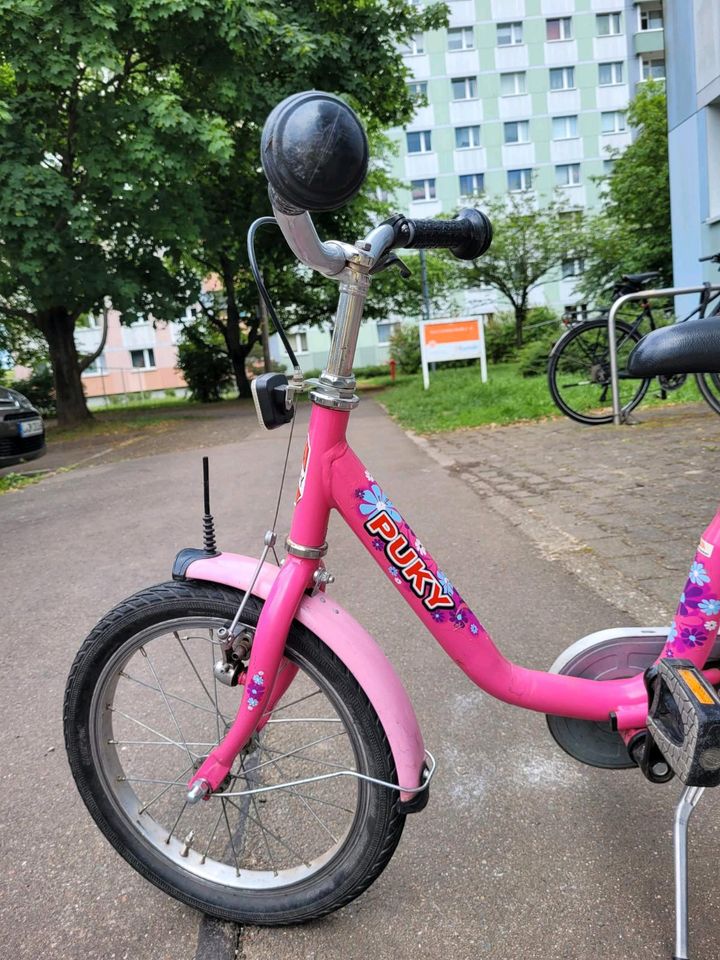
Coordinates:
(392, 260)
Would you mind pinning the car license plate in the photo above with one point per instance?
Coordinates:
(30, 428)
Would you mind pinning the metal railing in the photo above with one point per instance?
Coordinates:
(621, 301)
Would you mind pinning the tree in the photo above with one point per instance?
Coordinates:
(530, 239)
(357, 48)
(632, 232)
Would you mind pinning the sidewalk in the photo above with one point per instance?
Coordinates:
(622, 508)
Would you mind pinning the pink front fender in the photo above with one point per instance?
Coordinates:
(351, 644)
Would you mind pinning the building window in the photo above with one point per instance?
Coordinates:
(467, 137)
(560, 28)
(519, 180)
(143, 359)
(299, 340)
(572, 267)
(99, 365)
(461, 38)
(652, 68)
(562, 78)
(472, 184)
(418, 88)
(415, 45)
(574, 312)
(610, 73)
(385, 330)
(509, 34)
(567, 174)
(651, 18)
(564, 128)
(420, 141)
(423, 189)
(512, 84)
(612, 121)
(608, 24)
(517, 131)
(608, 167)
(464, 88)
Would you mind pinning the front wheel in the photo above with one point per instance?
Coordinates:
(579, 372)
(143, 710)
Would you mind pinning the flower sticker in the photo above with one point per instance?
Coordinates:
(474, 628)
(375, 501)
(460, 618)
(438, 616)
(709, 607)
(368, 477)
(377, 543)
(445, 583)
(256, 689)
(420, 548)
(710, 624)
(691, 598)
(692, 637)
(698, 574)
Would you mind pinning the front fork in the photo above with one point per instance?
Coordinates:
(264, 686)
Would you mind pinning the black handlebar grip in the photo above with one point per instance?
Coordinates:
(467, 236)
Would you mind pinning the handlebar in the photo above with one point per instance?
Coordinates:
(467, 236)
(715, 257)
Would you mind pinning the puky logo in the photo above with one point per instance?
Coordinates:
(407, 560)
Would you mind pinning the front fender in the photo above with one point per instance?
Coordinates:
(351, 643)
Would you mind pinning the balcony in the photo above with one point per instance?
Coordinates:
(649, 41)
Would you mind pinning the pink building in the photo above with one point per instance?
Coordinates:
(135, 358)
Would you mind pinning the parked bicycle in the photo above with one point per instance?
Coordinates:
(579, 362)
(240, 739)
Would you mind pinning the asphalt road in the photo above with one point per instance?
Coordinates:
(521, 854)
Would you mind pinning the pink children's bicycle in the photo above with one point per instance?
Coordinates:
(241, 740)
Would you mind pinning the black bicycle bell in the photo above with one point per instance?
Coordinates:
(314, 153)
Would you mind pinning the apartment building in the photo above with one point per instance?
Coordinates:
(693, 90)
(515, 95)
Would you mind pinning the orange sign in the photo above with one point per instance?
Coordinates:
(458, 331)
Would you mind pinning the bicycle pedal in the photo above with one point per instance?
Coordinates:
(684, 721)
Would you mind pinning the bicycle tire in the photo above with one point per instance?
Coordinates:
(592, 362)
(243, 873)
(709, 387)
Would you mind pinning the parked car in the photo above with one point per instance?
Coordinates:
(22, 431)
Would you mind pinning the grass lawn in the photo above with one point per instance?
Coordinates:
(16, 481)
(457, 398)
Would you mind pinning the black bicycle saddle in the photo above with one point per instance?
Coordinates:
(639, 279)
(692, 347)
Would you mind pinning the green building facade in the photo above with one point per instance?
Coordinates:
(515, 95)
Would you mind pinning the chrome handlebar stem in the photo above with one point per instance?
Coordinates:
(350, 266)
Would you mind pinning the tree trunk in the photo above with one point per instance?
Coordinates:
(233, 339)
(237, 356)
(520, 317)
(58, 326)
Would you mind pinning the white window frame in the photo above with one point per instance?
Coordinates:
(572, 174)
(613, 20)
(618, 122)
(470, 83)
(425, 141)
(565, 29)
(392, 324)
(608, 166)
(522, 83)
(572, 267)
(645, 12)
(523, 126)
(467, 38)
(573, 135)
(429, 187)
(566, 72)
(473, 137)
(525, 180)
(576, 311)
(422, 84)
(515, 31)
(146, 352)
(614, 71)
(297, 337)
(414, 46)
(478, 180)
(646, 61)
(97, 368)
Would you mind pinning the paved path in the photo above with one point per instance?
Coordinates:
(521, 854)
(620, 507)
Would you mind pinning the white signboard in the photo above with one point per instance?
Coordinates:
(452, 340)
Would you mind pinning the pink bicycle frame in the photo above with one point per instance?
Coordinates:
(332, 476)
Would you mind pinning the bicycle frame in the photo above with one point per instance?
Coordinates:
(332, 476)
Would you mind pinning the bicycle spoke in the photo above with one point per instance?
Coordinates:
(182, 746)
(291, 704)
(144, 652)
(230, 837)
(212, 836)
(195, 670)
(162, 793)
(171, 696)
(177, 821)
(307, 806)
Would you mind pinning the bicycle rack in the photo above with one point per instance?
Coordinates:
(621, 301)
